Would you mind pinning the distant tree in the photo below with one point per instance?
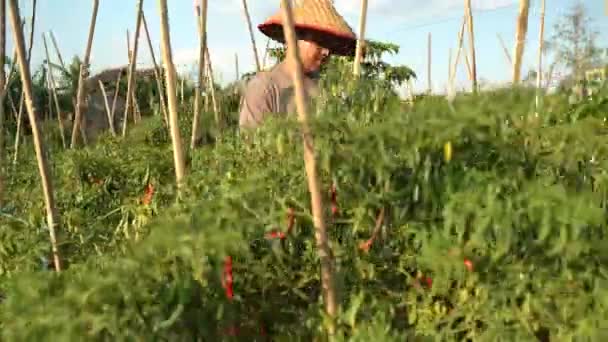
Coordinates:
(574, 42)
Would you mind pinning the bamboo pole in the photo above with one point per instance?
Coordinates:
(3, 95)
(157, 75)
(520, 38)
(458, 51)
(84, 71)
(236, 67)
(116, 91)
(56, 46)
(361, 40)
(211, 80)
(252, 37)
(131, 82)
(178, 153)
(47, 185)
(541, 37)
(428, 61)
(323, 247)
(469, 13)
(201, 16)
(54, 92)
(108, 110)
(22, 98)
(505, 50)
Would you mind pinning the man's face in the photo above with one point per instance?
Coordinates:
(313, 55)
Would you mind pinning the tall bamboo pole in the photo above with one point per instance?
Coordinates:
(84, 73)
(157, 75)
(361, 40)
(428, 65)
(132, 66)
(541, 37)
(178, 152)
(22, 98)
(116, 90)
(201, 18)
(47, 185)
(520, 38)
(211, 80)
(54, 92)
(255, 49)
(469, 13)
(323, 247)
(505, 50)
(108, 110)
(3, 95)
(458, 51)
(56, 46)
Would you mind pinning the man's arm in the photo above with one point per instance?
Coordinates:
(256, 103)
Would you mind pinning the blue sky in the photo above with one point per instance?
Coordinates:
(404, 22)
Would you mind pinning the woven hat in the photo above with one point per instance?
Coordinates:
(320, 20)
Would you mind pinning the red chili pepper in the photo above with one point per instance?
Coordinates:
(227, 278)
(290, 224)
(335, 210)
(468, 264)
(366, 245)
(148, 194)
(429, 282)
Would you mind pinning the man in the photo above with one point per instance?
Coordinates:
(320, 32)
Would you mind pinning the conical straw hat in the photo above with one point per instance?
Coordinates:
(319, 18)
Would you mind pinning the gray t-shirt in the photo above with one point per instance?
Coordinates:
(270, 93)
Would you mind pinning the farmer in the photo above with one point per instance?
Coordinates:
(320, 32)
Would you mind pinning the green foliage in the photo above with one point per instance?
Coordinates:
(523, 198)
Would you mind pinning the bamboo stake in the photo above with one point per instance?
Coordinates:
(201, 16)
(428, 60)
(520, 37)
(47, 185)
(265, 54)
(157, 75)
(324, 249)
(131, 83)
(56, 46)
(108, 110)
(211, 80)
(469, 12)
(22, 98)
(236, 67)
(361, 40)
(505, 50)
(255, 50)
(467, 62)
(3, 95)
(539, 72)
(54, 93)
(178, 153)
(458, 51)
(116, 91)
(84, 71)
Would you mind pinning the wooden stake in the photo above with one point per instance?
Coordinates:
(323, 247)
(469, 13)
(428, 61)
(361, 40)
(178, 152)
(3, 95)
(539, 71)
(505, 50)
(198, 107)
(520, 38)
(108, 110)
(255, 50)
(54, 92)
(211, 80)
(458, 51)
(84, 72)
(157, 75)
(56, 46)
(116, 91)
(47, 185)
(131, 83)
